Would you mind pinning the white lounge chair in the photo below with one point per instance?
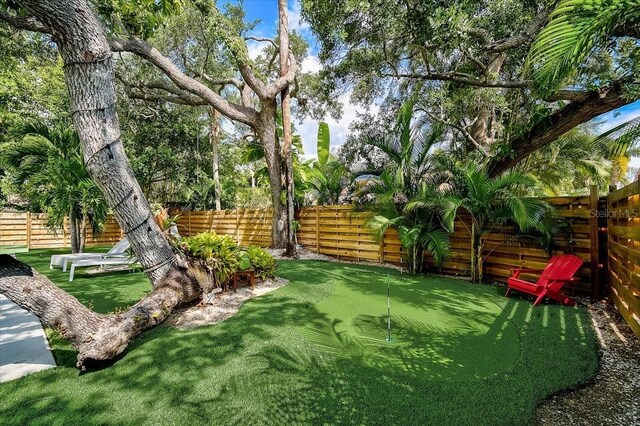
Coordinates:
(101, 262)
(119, 251)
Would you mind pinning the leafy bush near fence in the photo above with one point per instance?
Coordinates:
(262, 262)
(217, 257)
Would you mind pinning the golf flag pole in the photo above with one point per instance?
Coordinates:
(388, 309)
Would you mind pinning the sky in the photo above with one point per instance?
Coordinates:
(267, 12)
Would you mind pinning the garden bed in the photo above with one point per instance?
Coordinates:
(222, 306)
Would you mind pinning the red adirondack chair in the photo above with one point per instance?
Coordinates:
(560, 270)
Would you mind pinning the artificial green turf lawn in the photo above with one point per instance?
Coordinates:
(313, 352)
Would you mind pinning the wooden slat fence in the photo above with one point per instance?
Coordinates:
(30, 229)
(623, 213)
(341, 232)
(247, 226)
(603, 232)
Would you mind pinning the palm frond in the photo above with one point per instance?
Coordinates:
(449, 206)
(436, 242)
(379, 224)
(621, 138)
(526, 212)
(574, 29)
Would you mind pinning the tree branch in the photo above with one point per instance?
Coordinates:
(518, 40)
(456, 78)
(175, 95)
(252, 81)
(278, 85)
(239, 84)
(560, 122)
(569, 95)
(263, 40)
(481, 34)
(29, 23)
(141, 48)
(459, 128)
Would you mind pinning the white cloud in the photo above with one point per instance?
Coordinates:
(254, 48)
(339, 129)
(310, 64)
(295, 18)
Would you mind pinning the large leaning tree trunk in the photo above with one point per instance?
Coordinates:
(89, 76)
(96, 337)
(583, 106)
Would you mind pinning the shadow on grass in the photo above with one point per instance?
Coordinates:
(258, 368)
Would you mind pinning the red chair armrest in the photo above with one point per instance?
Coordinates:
(515, 272)
(562, 279)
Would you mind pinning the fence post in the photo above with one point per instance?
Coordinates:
(382, 249)
(317, 228)
(595, 244)
(28, 225)
(189, 223)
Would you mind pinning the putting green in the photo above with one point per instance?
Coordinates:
(441, 328)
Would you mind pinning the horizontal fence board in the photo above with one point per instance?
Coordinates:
(624, 252)
(30, 229)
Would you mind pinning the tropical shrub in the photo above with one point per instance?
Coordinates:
(217, 256)
(262, 262)
(489, 201)
(409, 150)
(214, 259)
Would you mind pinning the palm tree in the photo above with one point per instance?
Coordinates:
(571, 163)
(201, 195)
(575, 29)
(490, 202)
(47, 167)
(623, 142)
(327, 183)
(409, 150)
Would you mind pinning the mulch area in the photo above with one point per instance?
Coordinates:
(613, 397)
(222, 306)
